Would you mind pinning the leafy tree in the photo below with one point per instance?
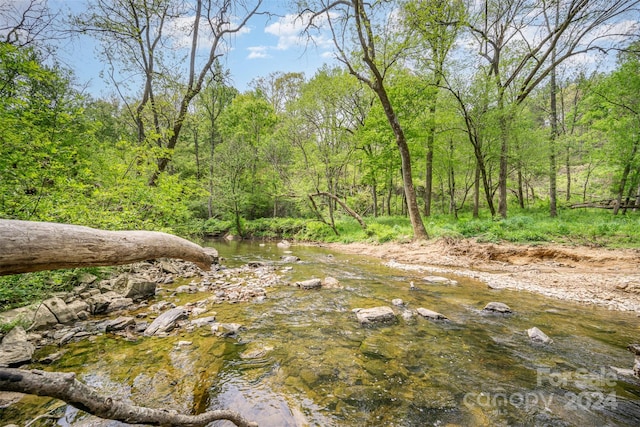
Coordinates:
(41, 128)
(330, 108)
(279, 89)
(245, 126)
(436, 24)
(618, 114)
(216, 96)
(559, 30)
(377, 48)
(144, 38)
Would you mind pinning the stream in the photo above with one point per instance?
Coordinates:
(303, 359)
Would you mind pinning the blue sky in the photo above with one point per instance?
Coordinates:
(266, 45)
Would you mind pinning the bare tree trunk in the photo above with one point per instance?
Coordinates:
(27, 246)
(520, 186)
(197, 151)
(336, 199)
(314, 206)
(64, 386)
(504, 158)
(374, 194)
(567, 163)
(476, 193)
(625, 176)
(553, 210)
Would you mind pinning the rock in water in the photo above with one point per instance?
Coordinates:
(497, 307)
(119, 324)
(367, 316)
(635, 349)
(437, 280)
(537, 335)
(331, 283)
(138, 288)
(310, 284)
(283, 244)
(430, 314)
(15, 350)
(166, 321)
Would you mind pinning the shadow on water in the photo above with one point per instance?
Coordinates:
(304, 360)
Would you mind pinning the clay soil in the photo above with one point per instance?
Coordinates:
(604, 277)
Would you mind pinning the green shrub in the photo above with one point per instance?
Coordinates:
(217, 227)
(316, 230)
(381, 233)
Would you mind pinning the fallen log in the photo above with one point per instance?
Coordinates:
(64, 386)
(27, 246)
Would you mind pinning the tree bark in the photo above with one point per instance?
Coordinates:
(27, 246)
(350, 211)
(65, 387)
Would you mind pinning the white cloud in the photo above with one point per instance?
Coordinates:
(618, 31)
(290, 31)
(258, 52)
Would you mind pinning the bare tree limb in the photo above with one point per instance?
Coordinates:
(27, 246)
(64, 386)
(350, 211)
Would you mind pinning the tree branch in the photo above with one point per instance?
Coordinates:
(64, 386)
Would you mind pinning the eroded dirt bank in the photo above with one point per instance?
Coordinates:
(605, 277)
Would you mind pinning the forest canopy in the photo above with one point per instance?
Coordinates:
(434, 107)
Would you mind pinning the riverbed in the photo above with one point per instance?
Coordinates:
(301, 357)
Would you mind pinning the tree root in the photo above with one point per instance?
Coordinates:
(64, 386)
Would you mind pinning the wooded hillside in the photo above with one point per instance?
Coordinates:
(465, 108)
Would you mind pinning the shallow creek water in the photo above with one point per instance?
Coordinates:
(304, 360)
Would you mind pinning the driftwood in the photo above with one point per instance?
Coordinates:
(64, 386)
(27, 246)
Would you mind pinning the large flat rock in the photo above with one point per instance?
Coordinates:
(382, 314)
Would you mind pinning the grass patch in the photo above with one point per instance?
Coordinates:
(594, 227)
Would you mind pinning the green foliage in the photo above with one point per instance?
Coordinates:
(269, 228)
(316, 231)
(21, 289)
(5, 327)
(216, 227)
(381, 233)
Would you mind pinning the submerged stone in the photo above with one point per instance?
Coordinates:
(284, 244)
(379, 347)
(537, 335)
(119, 323)
(430, 314)
(331, 283)
(438, 280)
(497, 307)
(635, 349)
(15, 350)
(309, 284)
(381, 314)
(166, 321)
